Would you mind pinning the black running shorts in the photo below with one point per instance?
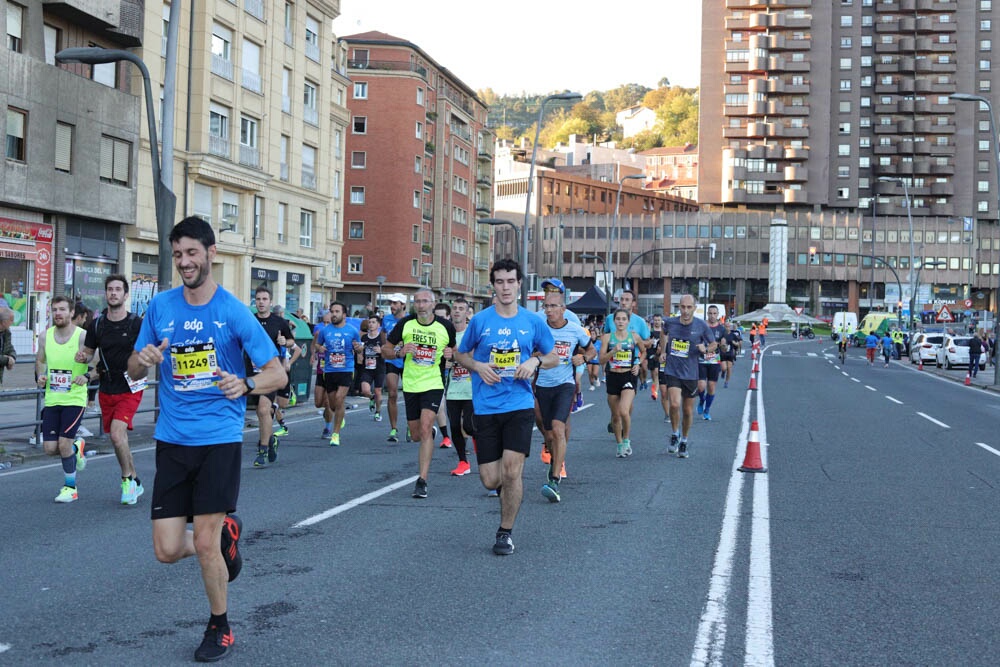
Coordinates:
(191, 481)
(616, 383)
(504, 431)
(689, 388)
(424, 400)
(555, 403)
(60, 421)
(333, 381)
(709, 372)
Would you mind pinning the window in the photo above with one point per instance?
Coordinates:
(309, 111)
(359, 159)
(283, 158)
(985, 25)
(418, 165)
(202, 202)
(17, 122)
(357, 229)
(416, 199)
(415, 235)
(105, 74)
(843, 171)
(844, 150)
(356, 264)
(222, 44)
(51, 37)
(312, 38)
(249, 154)
(282, 216)
(286, 99)
(845, 63)
(420, 96)
(846, 21)
(845, 42)
(64, 147)
(360, 125)
(15, 23)
(230, 211)
(289, 22)
(258, 217)
(115, 160)
(338, 141)
(420, 130)
(843, 193)
(306, 228)
(984, 65)
(845, 84)
(218, 130)
(308, 167)
(251, 66)
(982, 186)
(986, 45)
(844, 106)
(361, 90)
(357, 194)
(336, 184)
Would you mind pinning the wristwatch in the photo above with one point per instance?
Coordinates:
(250, 385)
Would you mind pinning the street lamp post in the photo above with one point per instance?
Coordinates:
(163, 196)
(613, 237)
(607, 294)
(531, 185)
(381, 281)
(427, 266)
(909, 220)
(524, 257)
(967, 97)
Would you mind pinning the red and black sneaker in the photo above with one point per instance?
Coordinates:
(232, 528)
(216, 644)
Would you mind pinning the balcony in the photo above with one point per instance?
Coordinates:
(461, 131)
(388, 65)
(482, 237)
(249, 156)
(484, 155)
(251, 81)
(484, 181)
(796, 153)
(222, 67)
(482, 265)
(312, 51)
(310, 115)
(795, 196)
(218, 146)
(482, 210)
(795, 173)
(427, 213)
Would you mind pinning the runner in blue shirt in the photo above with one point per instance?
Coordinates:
(498, 349)
(196, 335)
(319, 391)
(393, 367)
(338, 343)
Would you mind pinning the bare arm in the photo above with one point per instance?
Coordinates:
(40, 363)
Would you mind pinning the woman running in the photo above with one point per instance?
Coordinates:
(620, 349)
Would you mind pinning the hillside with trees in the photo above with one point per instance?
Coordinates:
(514, 116)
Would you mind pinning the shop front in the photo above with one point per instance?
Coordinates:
(25, 275)
(294, 286)
(261, 276)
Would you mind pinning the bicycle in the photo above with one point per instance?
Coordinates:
(842, 350)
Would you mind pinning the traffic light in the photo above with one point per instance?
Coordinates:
(812, 254)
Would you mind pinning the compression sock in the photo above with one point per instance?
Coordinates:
(444, 431)
(504, 531)
(701, 398)
(708, 402)
(69, 469)
(459, 443)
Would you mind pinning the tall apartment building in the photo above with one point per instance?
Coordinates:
(420, 174)
(68, 178)
(844, 106)
(260, 122)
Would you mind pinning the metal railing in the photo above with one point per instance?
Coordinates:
(222, 67)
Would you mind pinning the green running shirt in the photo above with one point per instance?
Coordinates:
(424, 369)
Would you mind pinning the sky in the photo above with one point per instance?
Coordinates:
(542, 46)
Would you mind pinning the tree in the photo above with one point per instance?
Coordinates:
(624, 96)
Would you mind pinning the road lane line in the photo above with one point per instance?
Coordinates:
(931, 419)
(4, 647)
(351, 504)
(811, 354)
(870, 388)
(856, 380)
(897, 402)
(988, 448)
(759, 649)
(845, 374)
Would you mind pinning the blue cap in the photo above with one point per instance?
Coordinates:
(553, 283)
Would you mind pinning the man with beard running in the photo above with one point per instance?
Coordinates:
(710, 364)
(684, 337)
(338, 343)
(112, 336)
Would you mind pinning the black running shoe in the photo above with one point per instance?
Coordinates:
(215, 646)
(504, 545)
(232, 529)
(272, 449)
(672, 447)
(682, 452)
(420, 488)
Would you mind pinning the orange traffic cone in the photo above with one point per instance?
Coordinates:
(756, 367)
(920, 366)
(968, 379)
(751, 461)
(753, 382)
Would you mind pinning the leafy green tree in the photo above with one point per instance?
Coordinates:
(624, 96)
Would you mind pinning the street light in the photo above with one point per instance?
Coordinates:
(909, 219)
(607, 294)
(967, 97)
(427, 266)
(531, 184)
(613, 240)
(524, 258)
(163, 196)
(381, 281)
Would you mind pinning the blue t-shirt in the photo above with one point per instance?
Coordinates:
(887, 345)
(504, 343)
(635, 324)
(871, 341)
(566, 338)
(388, 324)
(203, 340)
(597, 346)
(339, 344)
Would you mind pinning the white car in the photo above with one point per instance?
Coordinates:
(923, 347)
(955, 352)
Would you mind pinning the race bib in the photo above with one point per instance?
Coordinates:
(505, 362)
(711, 357)
(621, 359)
(60, 382)
(337, 359)
(194, 366)
(563, 349)
(459, 373)
(680, 348)
(424, 355)
(135, 386)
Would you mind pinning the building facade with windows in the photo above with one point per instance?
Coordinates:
(68, 180)
(259, 143)
(842, 108)
(419, 173)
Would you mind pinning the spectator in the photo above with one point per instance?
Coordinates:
(7, 353)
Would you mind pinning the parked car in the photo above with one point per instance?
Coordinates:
(955, 352)
(924, 345)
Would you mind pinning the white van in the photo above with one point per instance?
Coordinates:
(843, 322)
(701, 310)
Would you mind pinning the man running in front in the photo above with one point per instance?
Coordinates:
(423, 341)
(683, 338)
(498, 349)
(113, 336)
(338, 342)
(64, 380)
(196, 335)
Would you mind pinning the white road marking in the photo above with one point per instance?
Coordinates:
(351, 504)
(776, 353)
(897, 402)
(988, 448)
(845, 373)
(931, 419)
(5, 647)
(759, 648)
(871, 388)
(856, 380)
(811, 354)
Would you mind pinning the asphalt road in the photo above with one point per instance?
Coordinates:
(872, 539)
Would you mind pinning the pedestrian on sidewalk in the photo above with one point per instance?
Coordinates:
(8, 355)
(975, 352)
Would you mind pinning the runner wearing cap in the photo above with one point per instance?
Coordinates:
(393, 366)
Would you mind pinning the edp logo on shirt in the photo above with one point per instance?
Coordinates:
(194, 325)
